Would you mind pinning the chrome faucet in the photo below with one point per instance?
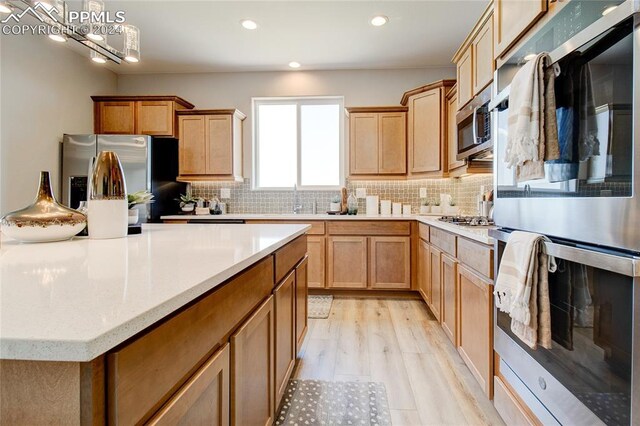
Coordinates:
(297, 205)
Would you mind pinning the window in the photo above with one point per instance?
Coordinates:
(298, 141)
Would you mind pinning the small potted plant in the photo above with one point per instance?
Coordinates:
(335, 205)
(435, 208)
(425, 207)
(451, 209)
(187, 202)
(139, 198)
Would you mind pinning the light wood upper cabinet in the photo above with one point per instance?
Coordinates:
(316, 251)
(302, 274)
(142, 115)
(210, 144)
(347, 262)
(452, 130)
(483, 65)
(513, 19)
(424, 273)
(252, 375)
(435, 269)
(476, 326)
(390, 262)
(464, 69)
(204, 399)
(449, 297)
(377, 141)
(284, 297)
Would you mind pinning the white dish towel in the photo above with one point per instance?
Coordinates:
(522, 287)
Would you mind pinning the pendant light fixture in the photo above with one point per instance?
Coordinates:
(131, 43)
(98, 58)
(94, 7)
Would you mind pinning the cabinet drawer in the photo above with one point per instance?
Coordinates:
(423, 231)
(144, 373)
(443, 240)
(317, 226)
(369, 227)
(508, 407)
(288, 256)
(204, 399)
(476, 256)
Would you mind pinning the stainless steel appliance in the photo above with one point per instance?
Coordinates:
(467, 220)
(474, 127)
(149, 164)
(591, 193)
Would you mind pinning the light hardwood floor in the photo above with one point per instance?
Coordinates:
(397, 342)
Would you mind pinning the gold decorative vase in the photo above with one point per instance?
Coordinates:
(45, 220)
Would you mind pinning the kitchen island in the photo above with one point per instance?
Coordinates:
(143, 328)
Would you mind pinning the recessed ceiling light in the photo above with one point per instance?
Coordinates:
(294, 64)
(607, 10)
(60, 38)
(378, 21)
(249, 24)
(530, 56)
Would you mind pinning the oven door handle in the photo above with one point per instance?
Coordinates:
(624, 265)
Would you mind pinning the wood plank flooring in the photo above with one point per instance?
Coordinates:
(397, 342)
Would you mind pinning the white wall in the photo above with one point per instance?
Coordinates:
(45, 92)
(235, 90)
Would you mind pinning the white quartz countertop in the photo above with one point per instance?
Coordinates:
(477, 233)
(75, 300)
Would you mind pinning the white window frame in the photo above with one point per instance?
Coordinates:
(299, 101)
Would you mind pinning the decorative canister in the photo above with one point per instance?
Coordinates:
(45, 220)
(107, 198)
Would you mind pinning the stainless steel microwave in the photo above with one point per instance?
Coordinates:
(474, 127)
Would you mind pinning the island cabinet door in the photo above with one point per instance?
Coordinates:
(285, 345)
(436, 282)
(302, 273)
(390, 262)
(204, 399)
(252, 369)
(424, 273)
(347, 262)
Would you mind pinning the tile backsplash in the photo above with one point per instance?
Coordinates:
(245, 200)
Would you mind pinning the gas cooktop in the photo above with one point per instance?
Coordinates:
(467, 220)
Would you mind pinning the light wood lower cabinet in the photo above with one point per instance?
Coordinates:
(449, 313)
(316, 249)
(302, 287)
(424, 273)
(436, 281)
(347, 262)
(390, 262)
(204, 399)
(252, 369)
(284, 297)
(476, 326)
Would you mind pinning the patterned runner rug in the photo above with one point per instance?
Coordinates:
(319, 306)
(318, 402)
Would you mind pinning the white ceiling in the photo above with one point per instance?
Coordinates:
(206, 36)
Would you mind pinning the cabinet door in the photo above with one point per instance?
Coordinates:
(363, 143)
(302, 271)
(219, 144)
(347, 262)
(425, 131)
(390, 262)
(452, 131)
(284, 297)
(155, 118)
(392, 147)
(476, 326)
(514, 17)
(465, 77)
(482, 46)
(192, 145)
(115, 118)
(436, 281)
(316, 251)
(203, 400)
(424, 274)
(252, 364)
(449, 297)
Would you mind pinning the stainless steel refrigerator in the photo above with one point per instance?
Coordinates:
(149, 164)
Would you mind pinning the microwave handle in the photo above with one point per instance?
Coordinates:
(474, 126)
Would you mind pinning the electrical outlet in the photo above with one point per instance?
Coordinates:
(423, 192)
(361, 192)
(225, 193)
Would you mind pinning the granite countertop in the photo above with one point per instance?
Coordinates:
(479, 233)
(77, 299)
